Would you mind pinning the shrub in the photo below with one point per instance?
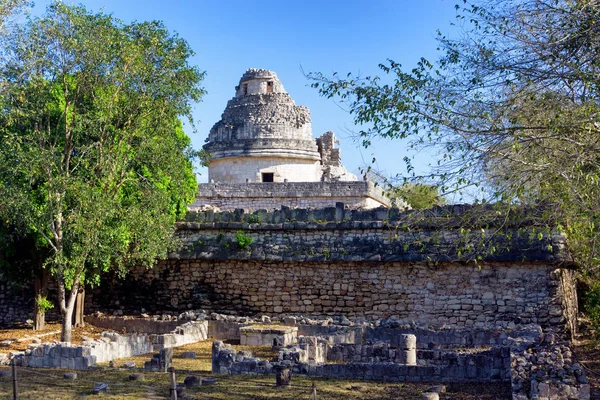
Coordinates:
(592, 307)
(243, 240)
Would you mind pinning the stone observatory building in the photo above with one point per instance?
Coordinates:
(263, 155)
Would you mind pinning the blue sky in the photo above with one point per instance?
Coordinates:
(288, 36)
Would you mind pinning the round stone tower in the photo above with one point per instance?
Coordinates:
(263, 136)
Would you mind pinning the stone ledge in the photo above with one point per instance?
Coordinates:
(290, 189)
(442, 234)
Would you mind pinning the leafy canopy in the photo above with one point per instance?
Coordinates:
(511, 107)
(94, 162)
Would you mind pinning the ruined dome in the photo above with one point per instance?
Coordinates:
(262, 119)
(262, 128)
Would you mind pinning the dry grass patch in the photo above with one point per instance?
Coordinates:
(49, 334)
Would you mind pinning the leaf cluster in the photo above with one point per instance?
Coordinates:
(511, 108)
(93, 158)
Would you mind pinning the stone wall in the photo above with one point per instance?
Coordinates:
(64, 355)
(110, 346)
(249, 169)
(415, 267)
(491, 295)
(471, 368)
(16, 303)
(130, 324)
(268, 196)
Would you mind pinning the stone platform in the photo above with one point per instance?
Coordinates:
(268, 335)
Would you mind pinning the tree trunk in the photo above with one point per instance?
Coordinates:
(39, 320)
(67, 325)
(40, 287)
(79, 303)
(66, 309)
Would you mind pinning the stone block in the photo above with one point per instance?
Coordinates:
(408, 357)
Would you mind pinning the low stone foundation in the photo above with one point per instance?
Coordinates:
(190, 332)
(132, 324)
(110, 346)
(227, 361)
(547, 371)
(63, 355)
(269, 336)
(379, 352)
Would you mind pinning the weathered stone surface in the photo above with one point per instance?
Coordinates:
(283, 376)
(192, 380)
(263, 131)
(101, 388)
(269, 196)
(70, 376)
(524, 293)
(136, 377)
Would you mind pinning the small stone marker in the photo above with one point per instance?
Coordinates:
(408, 349)
(5, 373)
(181, 390)
(129, 364)
(71, 376)
(100, 388)
(136, 377)
(166, 359)
(430, 396)
(283, 376)
(209, 380)
(192, 380)
(437, 389)
(189, 354)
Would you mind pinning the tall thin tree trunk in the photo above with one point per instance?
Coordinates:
(79, 308)
(40, 287)
(66, 310)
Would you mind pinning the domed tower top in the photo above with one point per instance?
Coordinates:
(263, 136)
(259, 81)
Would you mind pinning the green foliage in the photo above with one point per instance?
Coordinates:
(243, 240)
(254, 219)
(419, 196)
(94, 162)
(10, 8)
(592, 306)
(43, 303)
(512, 107)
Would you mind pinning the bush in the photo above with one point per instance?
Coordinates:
(592, 307)
(244, 241)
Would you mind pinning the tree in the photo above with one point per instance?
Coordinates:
(512, 107)
(21, 262)
(10, 8)
(93, 157)
(418, 195)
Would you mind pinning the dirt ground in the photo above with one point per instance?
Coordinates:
(588, 354)
(49, 384)
(25, 336)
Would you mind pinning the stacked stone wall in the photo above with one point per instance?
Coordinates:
(16, 303)
(486, 296)
(302, 195)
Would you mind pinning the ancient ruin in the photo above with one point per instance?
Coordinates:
(286, 249)
(263, 155)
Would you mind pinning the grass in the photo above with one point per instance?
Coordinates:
(47, 384)
(50, 333)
